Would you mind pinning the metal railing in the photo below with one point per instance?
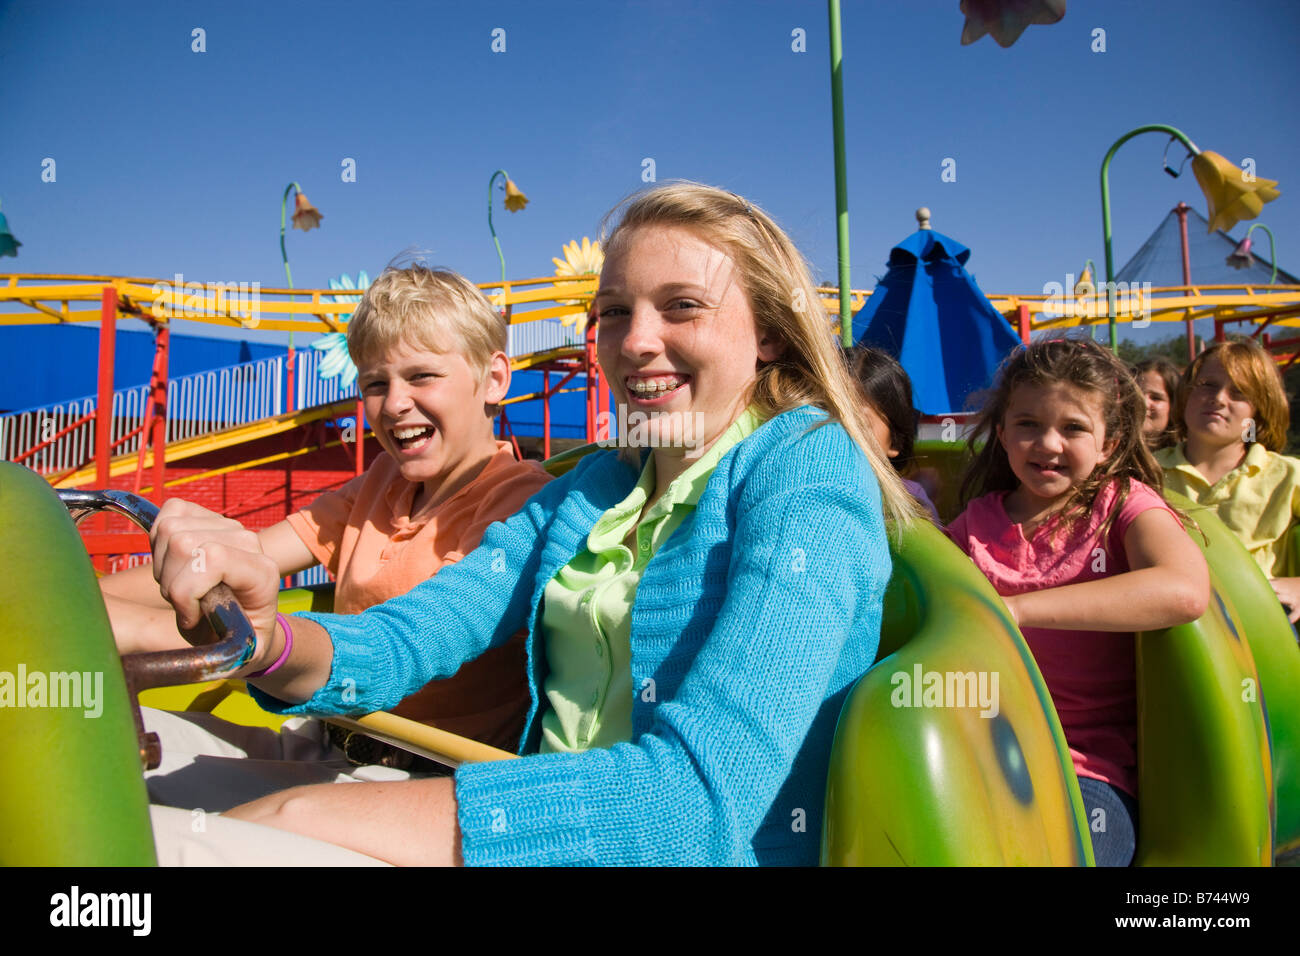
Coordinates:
(317, 575)
(197, 404)
(202, 403)
(542, 336)
(20, 432)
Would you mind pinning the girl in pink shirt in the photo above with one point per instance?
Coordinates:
(1064, 516)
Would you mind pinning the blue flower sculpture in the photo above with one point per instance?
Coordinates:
(335, 344)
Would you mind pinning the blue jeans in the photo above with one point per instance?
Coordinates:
(1112, 817)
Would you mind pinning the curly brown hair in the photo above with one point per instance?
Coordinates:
(1087, 366)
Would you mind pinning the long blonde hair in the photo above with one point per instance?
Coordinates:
(811, 369)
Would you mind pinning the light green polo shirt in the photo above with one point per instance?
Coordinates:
(587, 609)
(1259, 500)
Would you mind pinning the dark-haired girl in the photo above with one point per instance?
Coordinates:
(1064, 516)
(1157, 379)
(887, 392)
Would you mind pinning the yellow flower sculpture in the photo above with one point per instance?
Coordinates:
(515, 200)
(1231, 194)
(584, 260)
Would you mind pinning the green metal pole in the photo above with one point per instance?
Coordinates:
(841, 173)
(1105, 212)
(289, 358)
(492, 229)
(284, 202)
(1272, 247)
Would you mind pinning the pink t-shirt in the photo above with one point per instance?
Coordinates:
(1090, 674)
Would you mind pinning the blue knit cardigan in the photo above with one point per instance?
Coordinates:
(750, 625)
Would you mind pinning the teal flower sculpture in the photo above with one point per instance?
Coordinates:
(335, 345)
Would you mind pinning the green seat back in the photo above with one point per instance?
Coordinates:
(1208, 694)
(71, 789)
(949, 782)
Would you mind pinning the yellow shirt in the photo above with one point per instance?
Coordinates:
(1259, 500)
(587, 609)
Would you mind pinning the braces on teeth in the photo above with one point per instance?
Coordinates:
(652, 387)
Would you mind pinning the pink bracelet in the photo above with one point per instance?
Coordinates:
(284, 655)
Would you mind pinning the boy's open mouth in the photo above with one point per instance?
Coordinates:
(409, 438)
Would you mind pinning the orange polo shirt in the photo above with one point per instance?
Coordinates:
(365, 536)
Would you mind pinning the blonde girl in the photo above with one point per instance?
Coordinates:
(696, 616)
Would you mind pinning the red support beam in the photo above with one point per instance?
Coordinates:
(546, 413)
(143, 431)
(158, 385)
(1181, 210)
(153, 426)
(570, 374)
(602, 392)
(361, 436)
(104, 401)
(602, 398)
(289, 363)
(1271, 344)
(589, 366)
(103, 544)
(104, 406)
(1023, 324)
(508, 432)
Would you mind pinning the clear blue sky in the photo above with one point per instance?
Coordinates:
(174, 161)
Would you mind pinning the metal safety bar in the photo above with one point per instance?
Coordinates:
(233, 638)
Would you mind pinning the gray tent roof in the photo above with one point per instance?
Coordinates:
(1160, 260)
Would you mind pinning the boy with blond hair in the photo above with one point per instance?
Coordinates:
(432, 371)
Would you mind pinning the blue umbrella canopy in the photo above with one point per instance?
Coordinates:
(929, 314)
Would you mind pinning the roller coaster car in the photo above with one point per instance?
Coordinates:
(966, 786)
(971, 782)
